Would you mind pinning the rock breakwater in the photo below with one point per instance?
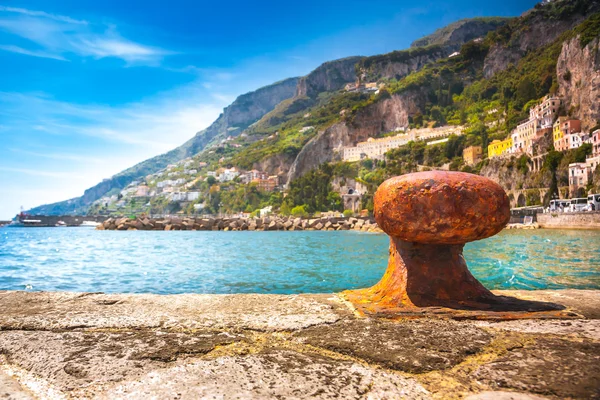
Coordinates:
(274, 223)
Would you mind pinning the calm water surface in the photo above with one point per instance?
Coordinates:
(81, 259)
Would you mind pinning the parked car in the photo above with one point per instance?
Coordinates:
(594, 202)
(579, 204)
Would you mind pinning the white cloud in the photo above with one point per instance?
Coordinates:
(60, 37)
(157, 125)
(44, 173)
(42, 54)
(42, 14)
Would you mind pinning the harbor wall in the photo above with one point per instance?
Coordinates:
(575, 220)
(272, 223)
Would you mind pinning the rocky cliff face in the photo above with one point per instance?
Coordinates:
(380, 117)
(578, 70)
(459, 32)
(398, 64)
(535, 30)
(329, 76)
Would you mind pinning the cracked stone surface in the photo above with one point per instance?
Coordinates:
(548, 366)
(11, 390)
(43, 310)
(412, 346)
(75, 359)
(273, 374)
(87, 346)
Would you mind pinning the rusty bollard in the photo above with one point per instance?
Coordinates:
(429, 217)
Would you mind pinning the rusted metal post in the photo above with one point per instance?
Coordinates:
(429, 217)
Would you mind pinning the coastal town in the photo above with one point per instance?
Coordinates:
(194, 187)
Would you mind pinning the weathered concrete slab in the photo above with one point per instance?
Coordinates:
(414, 346)
(83, 346)
(498, 395)
(547, 366)
(589, 328)
(11, 390)
(43, 311)
(71, 360)
(583, 302)
(276, 374)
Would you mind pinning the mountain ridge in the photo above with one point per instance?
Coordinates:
(319, 100)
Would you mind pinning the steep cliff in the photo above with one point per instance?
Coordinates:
(329, 76)
(578, 72)
(438, 45)
(539, 27)
(460, 32)
(245, 110)
(383, 116)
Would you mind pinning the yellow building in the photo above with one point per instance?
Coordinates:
(472, 154)
(499, 147)
(557, 133)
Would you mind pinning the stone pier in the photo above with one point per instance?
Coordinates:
(108, 346)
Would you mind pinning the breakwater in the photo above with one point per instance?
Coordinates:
(575, 220)
(273, 223)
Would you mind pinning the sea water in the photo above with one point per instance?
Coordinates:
(82, 259)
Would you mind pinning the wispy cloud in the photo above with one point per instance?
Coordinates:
(42, 14)
(33, 53)
(61, 37)
(157, 125)
(43, 173)
(61, 156)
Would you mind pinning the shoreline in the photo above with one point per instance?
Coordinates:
(268, 346)
(273, 223)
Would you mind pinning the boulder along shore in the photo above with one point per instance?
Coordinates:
(273, 223)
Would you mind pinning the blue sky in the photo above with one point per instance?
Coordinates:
(89, 88)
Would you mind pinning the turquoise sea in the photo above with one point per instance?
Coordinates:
(82, 259)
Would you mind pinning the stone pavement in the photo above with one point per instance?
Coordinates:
(86, 345)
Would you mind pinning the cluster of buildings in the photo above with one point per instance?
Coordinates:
(566, 135)
(179, 183)
(580, 174)
(358, 86)
(376, 148)
(543, 119)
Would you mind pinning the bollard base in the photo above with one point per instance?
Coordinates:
(428, 280)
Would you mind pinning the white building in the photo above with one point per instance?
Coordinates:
(228, 175)
(376, 148)
(179, 196)
(193, 196)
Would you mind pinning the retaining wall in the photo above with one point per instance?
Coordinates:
(576, 220)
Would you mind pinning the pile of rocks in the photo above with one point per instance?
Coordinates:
(275, 223)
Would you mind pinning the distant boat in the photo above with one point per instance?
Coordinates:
(89, 224)
(61, 224)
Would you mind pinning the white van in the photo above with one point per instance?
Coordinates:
(579, 204)
(594, 202)
(560, 205)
